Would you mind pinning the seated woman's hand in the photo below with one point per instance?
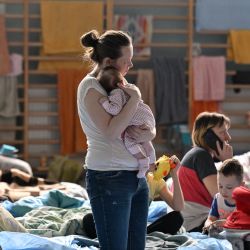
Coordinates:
(176, 161)
(225, 153)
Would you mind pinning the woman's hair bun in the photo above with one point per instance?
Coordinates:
(90, 39)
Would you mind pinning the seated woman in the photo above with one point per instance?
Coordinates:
(198, 173)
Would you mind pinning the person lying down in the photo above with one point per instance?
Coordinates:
(21, 178)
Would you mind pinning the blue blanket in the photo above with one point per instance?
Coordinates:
(53, 198)
(157, 241)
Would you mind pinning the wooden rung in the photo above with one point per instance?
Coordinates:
(42, 100)
(34, 16)
(163, 45)
(237, 99)
(237, 86)
(235, 112)
(54, 58)
(171, 18)
(12, 1)
(38, 156)
(43, 127)
(156, 45)
(15, 30)
(14, 16)
(42, 113)
(12, 142)
(15, 44)
(42, 72)
(42, 86)
(35, 44)
(31, 30)
(214, 45)
(152, 4)
(240, 139)
(171, 31)
(212, 32)
(43, 141)
(12, 128)
(239, 126)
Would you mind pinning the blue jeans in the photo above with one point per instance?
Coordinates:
(119, 202)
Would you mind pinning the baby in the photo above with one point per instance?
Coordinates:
(230, 176)
(109, 77)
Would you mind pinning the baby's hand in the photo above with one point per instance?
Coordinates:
(103, 99)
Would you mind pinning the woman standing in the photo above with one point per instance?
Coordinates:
(198, 174)
(119, 200)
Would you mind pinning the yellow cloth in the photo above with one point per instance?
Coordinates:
(56, 65)
(239, 46)
(154, 186)
(63, 23)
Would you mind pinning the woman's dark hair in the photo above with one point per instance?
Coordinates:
(205, 121)
(109, 44)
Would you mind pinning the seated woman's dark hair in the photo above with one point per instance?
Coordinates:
(205, 121)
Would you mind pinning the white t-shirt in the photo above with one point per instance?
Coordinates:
(102, 154)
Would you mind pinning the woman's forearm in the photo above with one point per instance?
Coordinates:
(178, 200)
(120, 122)
(111, 127)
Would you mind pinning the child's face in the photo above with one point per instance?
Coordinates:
(226, 185)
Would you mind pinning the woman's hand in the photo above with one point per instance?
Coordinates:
(225, 153)
(173, 171)
(141, 134)
(131, 89)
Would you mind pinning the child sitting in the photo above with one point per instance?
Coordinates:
(229, 176)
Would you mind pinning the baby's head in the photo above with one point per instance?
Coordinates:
(230, 176)
(109, 77)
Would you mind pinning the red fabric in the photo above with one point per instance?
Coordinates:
(4, 53)
(190, 181)
(73, 140)
(240, 218)
(200, 106)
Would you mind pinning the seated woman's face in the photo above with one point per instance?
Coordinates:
(222, 132)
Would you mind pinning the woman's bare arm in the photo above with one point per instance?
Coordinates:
(175, 200)
(112, 127)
